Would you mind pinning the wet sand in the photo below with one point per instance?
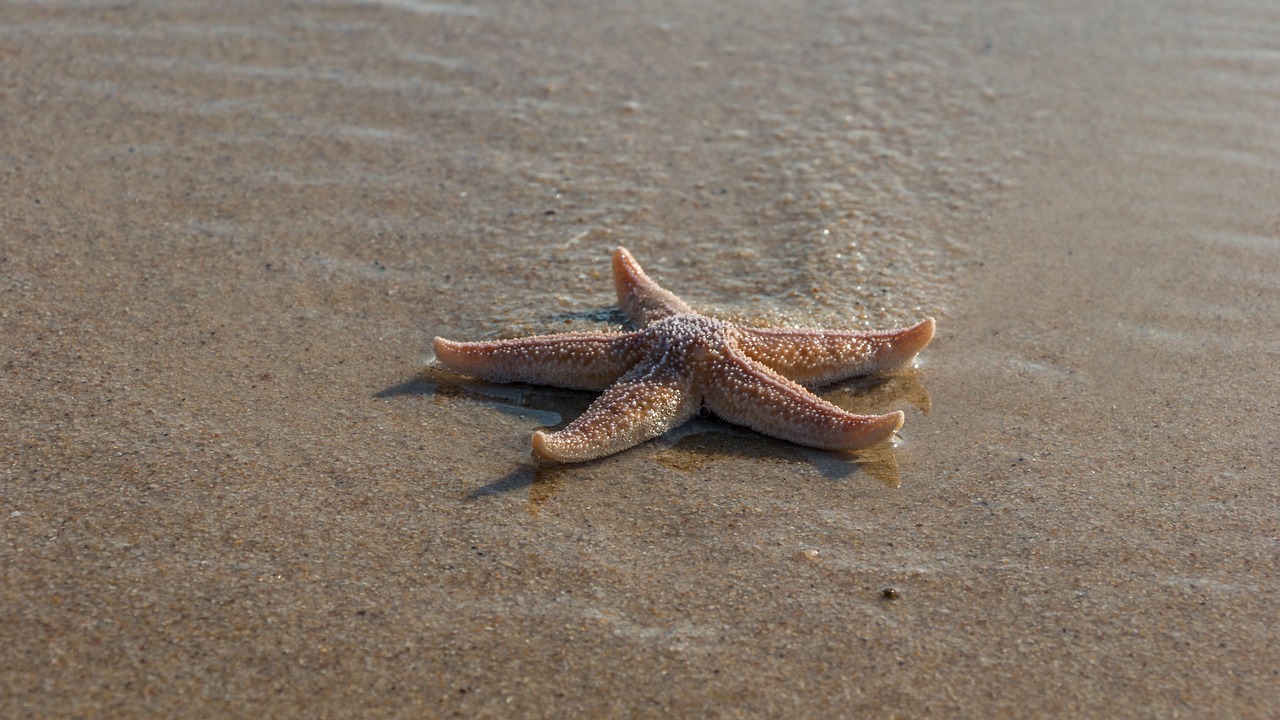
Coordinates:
(229, 234)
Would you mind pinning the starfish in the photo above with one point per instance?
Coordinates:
(679, 361)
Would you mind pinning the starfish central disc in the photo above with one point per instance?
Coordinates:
(690, 335)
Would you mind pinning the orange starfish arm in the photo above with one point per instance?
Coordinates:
(745, 392)
(644, 404)
(581, 361)
(643, 300)
(817, 357)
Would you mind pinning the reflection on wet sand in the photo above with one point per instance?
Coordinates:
(874, 393)
(696, 450)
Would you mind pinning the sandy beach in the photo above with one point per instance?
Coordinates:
(230, 231)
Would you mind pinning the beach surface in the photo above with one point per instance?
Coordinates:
(231, 485)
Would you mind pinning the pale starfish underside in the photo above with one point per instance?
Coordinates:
(678, 361)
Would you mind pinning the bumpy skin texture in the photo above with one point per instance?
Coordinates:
(679, 361)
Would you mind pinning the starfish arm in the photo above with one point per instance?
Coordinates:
(817, 357)
(644, 404)
(579, 360)
(742, 391)
(642, 299)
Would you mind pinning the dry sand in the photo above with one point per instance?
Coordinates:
(229, 232)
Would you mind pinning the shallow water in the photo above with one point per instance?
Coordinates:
(231, 232)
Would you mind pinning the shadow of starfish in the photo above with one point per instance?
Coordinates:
(687, 448)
